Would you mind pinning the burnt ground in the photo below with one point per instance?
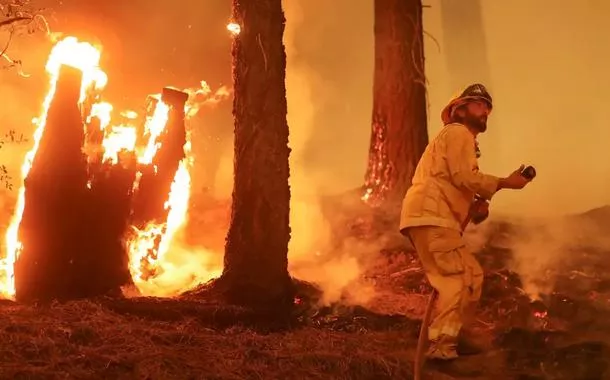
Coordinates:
(565, 335)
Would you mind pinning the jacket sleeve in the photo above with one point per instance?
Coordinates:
(463, 166)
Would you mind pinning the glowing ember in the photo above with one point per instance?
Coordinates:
(70, 52)
(540, 314)
(234, 28)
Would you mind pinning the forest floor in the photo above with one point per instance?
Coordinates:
(565, 335)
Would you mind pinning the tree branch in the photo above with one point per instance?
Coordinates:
(13, 20)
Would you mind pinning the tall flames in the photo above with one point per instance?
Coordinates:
(148, 247)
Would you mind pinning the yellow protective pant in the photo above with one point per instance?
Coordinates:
(454, 272)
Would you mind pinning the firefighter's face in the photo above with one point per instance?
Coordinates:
(474, 114)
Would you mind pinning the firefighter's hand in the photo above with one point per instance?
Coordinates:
(515, 180)
(479, 211)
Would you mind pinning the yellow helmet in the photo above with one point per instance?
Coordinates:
(473, 92)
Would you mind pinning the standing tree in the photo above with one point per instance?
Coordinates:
(399, 128)
(256, 254)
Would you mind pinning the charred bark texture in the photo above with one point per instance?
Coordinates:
(399, 125)
(110, 205)
(58, 259)
(256, 262)
(156, 181)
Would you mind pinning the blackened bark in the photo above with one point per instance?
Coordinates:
(256, 253)
(54, 257)
(74, 219)
(51, 228)
(109, 206)
(399, 124)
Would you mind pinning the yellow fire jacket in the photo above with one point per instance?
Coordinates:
(445, 182)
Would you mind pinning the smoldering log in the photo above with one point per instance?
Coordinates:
(156, 180)
(52, 262)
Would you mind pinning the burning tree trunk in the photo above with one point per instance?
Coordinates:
(55, 262)
(256, 262)
(150, 210)
(155, 183)
(399, 130)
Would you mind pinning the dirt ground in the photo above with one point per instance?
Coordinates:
(565, 335)
(171, 339)
(191, 338)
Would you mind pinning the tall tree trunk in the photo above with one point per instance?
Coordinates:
(399, 125)
(256, 252)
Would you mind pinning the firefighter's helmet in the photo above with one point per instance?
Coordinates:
(473, 92)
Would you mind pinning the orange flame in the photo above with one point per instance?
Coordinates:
(142, 251)
(122, 137)
(174, 267)
(170, 274)
(154, 126)
(234, 28)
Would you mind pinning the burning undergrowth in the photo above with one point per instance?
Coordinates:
(541, 316)
(546, 288)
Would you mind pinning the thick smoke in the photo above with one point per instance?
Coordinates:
(550, 111)
(329, 85)
(546, 249)
(550, 100)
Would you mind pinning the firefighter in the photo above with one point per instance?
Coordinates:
(447, 188)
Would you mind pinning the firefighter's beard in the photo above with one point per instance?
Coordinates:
(478, 123)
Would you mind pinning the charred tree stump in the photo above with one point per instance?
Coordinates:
(399, 129)
(73, 222)
(53, 259)
(156, 180)
(256, 264)
(110, 205)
